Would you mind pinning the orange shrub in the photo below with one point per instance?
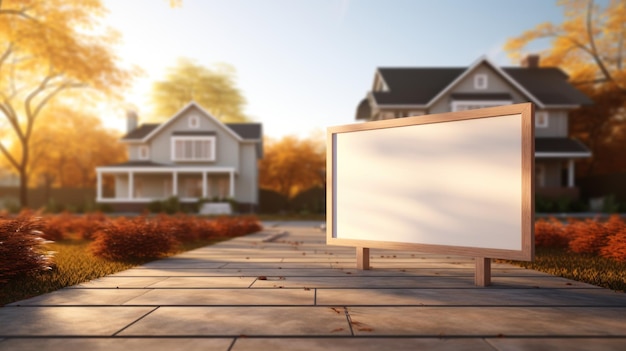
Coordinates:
(588, 236)
(131, 239)
(183, 227)
(550, 233)
(21, 249)
(616, 246)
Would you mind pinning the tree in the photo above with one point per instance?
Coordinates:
(214, 89)
(68, 145)
(47, 48)
(590, 45)
(291, 165)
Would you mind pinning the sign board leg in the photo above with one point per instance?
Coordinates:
(363, 258)
(482, 275)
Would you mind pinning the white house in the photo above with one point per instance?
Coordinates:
(192, 156)
(414, 91)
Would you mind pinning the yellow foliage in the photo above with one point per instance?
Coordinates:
(590, 44)
(213, 88)
(291, 165)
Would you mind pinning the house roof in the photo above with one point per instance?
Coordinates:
(560, 147)
(420, 86)
(247, 131)
(548, 84)
(141, 132)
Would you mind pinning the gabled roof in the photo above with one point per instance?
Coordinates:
(140, 132)
(422, 86)
(247, 131)
(240, 131)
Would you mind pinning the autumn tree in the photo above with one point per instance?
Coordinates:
(590, 45)
(47, 48)
(291, 165)
(212, 88)
(69, 144)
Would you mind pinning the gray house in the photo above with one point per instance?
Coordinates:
(402, 92)
(192, 156)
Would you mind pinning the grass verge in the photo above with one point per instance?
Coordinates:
(587, 268)
(74, 265)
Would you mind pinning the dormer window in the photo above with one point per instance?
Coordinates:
(193, 148)
(194, 122)
(541, 119)
(480, 81)
(144, 152)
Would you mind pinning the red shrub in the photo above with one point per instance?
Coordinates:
(21, 249)
(588, 236)
(183, 227)
(550, 233)
(614, 225)
(616, 246)
(130, 239)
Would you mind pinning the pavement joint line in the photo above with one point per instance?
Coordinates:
(348, 319)
(230, 347)
(135, 321)
(273, 237)
(323, 336)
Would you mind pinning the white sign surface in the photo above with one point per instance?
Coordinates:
(456, 182)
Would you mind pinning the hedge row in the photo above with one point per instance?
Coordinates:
(22, 238)
(606, 239)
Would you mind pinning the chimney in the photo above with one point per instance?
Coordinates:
(131, 121)
(531, 61)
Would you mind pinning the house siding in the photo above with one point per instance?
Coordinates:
(226, 145)
(557, 125)
(495, 84)
(246, 181)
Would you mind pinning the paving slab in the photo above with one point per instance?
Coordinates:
(293, 292)
(469, 297)
(485, 322)
(60, 321)
(228, 297)
(361, 344)
(238, 321)
(108, 344)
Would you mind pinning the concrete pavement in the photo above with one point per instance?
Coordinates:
(284, 289)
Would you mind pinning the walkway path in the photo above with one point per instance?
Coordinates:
(296, 293)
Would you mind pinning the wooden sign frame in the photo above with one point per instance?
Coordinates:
(371, 164)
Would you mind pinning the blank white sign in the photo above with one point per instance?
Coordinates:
(457, 184)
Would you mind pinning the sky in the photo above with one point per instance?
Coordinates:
(304, 65)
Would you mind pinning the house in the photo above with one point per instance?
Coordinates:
(402, 92)
(192, 156)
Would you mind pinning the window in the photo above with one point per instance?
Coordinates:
(473, 105)
(541, 119)
(193, 148)
(144, 152)
(194, 122)
(480, 81)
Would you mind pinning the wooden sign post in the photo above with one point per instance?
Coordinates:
(454, 183)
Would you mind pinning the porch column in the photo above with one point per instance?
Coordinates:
(174, 183)
(99, 185)
(204, 187)
(570, 173)
(232, 185)
(131, 184)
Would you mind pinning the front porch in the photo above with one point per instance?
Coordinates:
(154, 183)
